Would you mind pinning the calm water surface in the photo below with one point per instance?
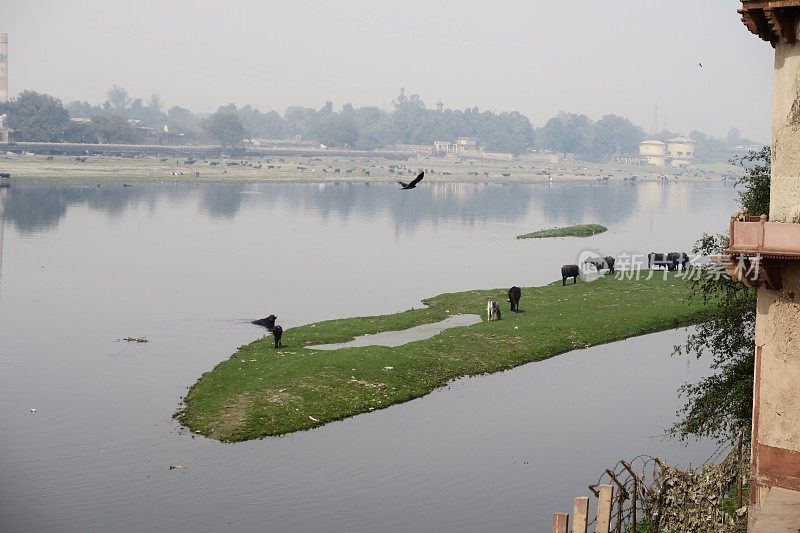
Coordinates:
(188, 265)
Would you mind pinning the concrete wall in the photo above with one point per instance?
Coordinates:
(775, 463)
(785, 187)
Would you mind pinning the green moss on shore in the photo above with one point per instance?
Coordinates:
(579, 230)
(260, 391)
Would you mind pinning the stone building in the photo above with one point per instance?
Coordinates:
(680, 151)
(653, 152)
(768, 249)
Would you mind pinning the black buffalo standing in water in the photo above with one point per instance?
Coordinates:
(514, 295)
(569, 271)
(268, 322)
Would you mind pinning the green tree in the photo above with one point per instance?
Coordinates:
(113, 128)
(338, 130)
(36, 117)
(613, 134)
(720, 405)
(117, 98)
(81, 132)
(567, 133)
(225, 126)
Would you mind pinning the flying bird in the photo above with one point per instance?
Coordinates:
(413, 184)
(701, 65)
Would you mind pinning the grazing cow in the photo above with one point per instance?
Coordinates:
(610, 263)
(514, 295)
(598, 262)
(268, 322)
(677, 260)
(277, 332)
(493, 310)
(657, 260)
(569, 271)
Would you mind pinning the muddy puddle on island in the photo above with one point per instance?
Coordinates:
(393, 339)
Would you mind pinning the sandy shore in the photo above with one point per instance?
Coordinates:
(324, 169)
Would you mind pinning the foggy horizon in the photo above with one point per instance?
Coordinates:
(536, 58)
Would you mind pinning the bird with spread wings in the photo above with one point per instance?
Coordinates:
(413, 184)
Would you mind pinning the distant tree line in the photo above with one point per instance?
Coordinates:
(40, 117)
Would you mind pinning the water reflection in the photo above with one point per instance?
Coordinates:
(38, 208)
(3, 196)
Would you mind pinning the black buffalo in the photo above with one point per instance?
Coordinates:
(655, 259)
(514, 295)
(610, 263)
(277, 332)
(598, 262)
(602, 263)
(569, 271)
(677, 260)
(268, 322)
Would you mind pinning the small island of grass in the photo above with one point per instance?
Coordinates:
(260, 391)
(578, 230)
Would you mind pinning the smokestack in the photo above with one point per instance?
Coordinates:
(3, 67)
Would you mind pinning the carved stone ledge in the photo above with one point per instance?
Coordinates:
(772, 20)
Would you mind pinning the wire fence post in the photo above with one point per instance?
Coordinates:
(580, 515)
(633, 506)
(604, 509)
(739, 480)
(560, 523)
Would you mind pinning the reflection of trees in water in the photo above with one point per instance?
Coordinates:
(435, 202)
(221, 199)
(31, 208)
(581, 203)
(35, 208)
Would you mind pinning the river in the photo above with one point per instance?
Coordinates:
(188, 265)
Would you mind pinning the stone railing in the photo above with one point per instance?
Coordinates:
(758, 248)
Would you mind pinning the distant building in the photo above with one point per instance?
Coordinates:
(442, 148)
(680, 151)
(653, 152)
(464, 144)
(421, 149)
(5, 131)
(676, 152)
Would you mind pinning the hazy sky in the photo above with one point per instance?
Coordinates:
(535, 56)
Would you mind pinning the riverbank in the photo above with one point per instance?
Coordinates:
(93, 169)
(260, 391)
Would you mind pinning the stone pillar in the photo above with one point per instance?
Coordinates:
(775, 462)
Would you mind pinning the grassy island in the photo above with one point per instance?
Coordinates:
(578, 230)
(260, 391)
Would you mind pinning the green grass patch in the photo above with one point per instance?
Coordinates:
(578, 230)
(260, 391)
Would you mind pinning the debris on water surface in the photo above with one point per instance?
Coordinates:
(173, 467)
(134, 339)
